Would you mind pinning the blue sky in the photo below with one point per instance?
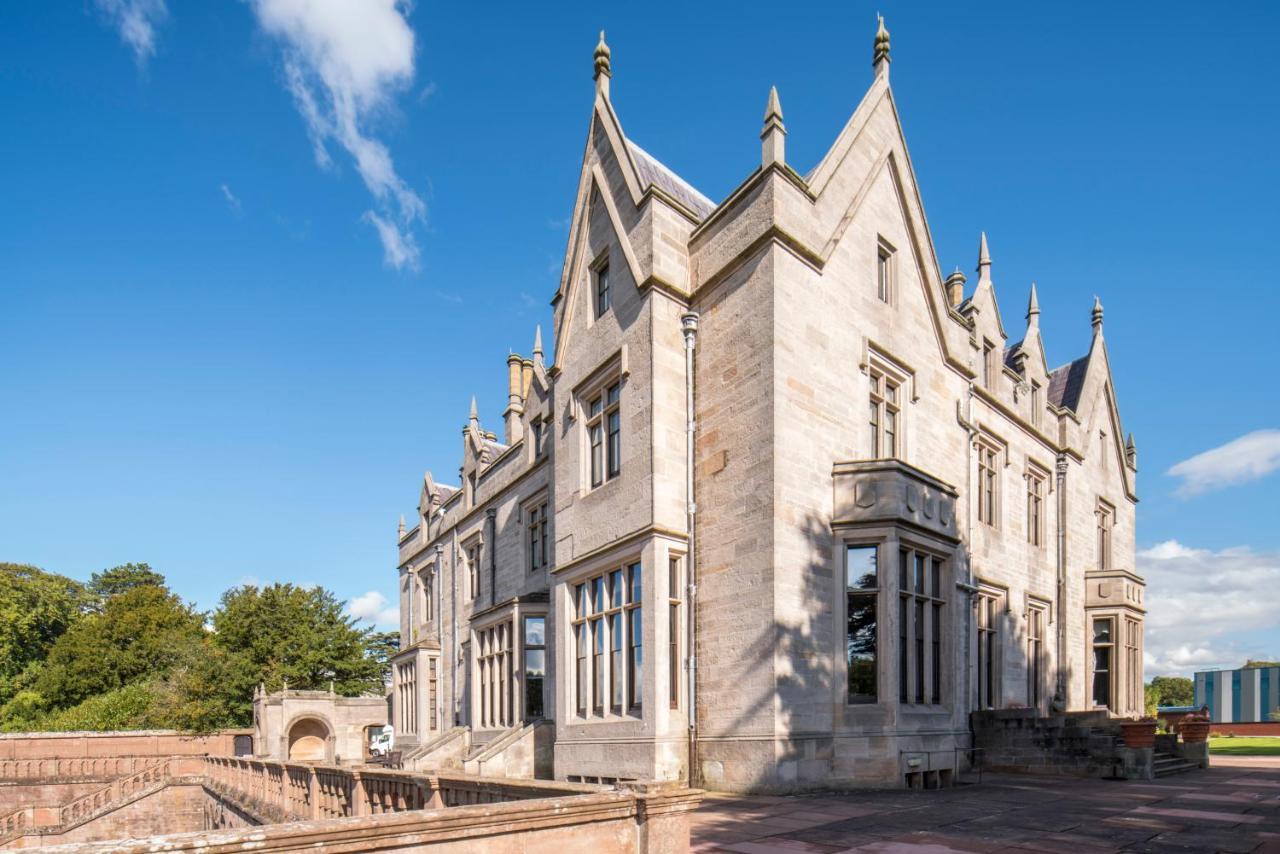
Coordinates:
(237, 322)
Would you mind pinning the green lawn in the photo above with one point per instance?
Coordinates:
(1245, 746)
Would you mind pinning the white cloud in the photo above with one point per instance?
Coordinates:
(1202, 604)
(375, 608)
(344, 62)
(399, 249)
(1250, 457)
(233, 201)
(136, 20)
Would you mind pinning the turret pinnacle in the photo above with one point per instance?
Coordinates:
(474, 418)
(1131, 452)
(537, 343)
(603, 68)
(401, 529)
(773, 139)
(1033, 308)
(984, 259)
(1097, 315)
(880, 54)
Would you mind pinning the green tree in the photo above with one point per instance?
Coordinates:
(36, 608)
(382, 646)
(297, 635)
(121, 579)
(1172, 691)
(140, 634)
(1250, 664)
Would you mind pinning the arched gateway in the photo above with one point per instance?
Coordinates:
(308, 741)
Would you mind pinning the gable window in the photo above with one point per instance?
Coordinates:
(1106, 520)
(604, 434)
(884, 272)
(862, 593)
(1035, 654)
(428, 595)
(988, 364)
(1035, 508)
(608, 642)
(920, 615)
(988, 648)
(539, 437)
(473, 570)
(602, 289)
(988, 483)
(884, 415)
(537, 535)
(1036, 404)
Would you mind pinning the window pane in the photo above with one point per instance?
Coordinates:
(535, 631)
(1102, 631)
(636, 636)
(535, 670)
(860, 567)
(860, 646)
(635, 583)
(919, 572)
(615, 662)
(617, 588)
(614, 392)
(597, 594)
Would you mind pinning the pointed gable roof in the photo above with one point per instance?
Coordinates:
(1067, 383)
(653, 173)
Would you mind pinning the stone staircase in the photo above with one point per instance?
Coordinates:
(1166, 765)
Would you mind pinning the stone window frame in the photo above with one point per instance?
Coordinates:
(1105, 516)
(998, 596)
(581, 682)
(1035, 472)
(426, 583)
(1036, 404)
(537, 510)
(877, 360)
(990, 509)
(890, 539)
(886, 277)
(597, 389)
(676, 581)
(990, 364)
(1113, 686)
(1044, 609)
(473, 543)
(601, 299)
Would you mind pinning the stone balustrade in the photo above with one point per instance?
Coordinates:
(72, 768)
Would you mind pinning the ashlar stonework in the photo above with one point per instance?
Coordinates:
(786, 504)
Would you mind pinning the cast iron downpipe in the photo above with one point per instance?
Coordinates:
(689, 326)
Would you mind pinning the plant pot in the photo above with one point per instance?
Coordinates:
(1193, 731)
(1138, 734)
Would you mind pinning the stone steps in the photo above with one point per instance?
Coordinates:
(1166, 765)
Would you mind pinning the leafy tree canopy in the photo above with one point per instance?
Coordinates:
(1172, 691)
(121, 579)
(36, 607)
(140, 632)
(1260, 663)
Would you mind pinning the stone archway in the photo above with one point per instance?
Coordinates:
(309, 741)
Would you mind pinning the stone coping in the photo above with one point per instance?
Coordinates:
(120, 733)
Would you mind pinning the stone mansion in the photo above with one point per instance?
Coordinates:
(782, 505)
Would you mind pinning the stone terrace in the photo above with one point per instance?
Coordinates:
(1230, 808)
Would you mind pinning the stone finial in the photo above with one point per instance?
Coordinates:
(954, 287)
(1097, 315)
(401, 529)
(880, 56)
(1033, 308)
(603, 67)
(1131, 452)
(474, 417)
(537, 343)
(984, 258)
(774, 135)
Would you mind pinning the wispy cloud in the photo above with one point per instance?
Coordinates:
(344, 61)
(1202, 605)
(374, 607)
(232, 200)
(136, 21)
(456, 299)
(1252, 456)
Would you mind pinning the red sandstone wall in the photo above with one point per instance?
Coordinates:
(76, 745)
(173, 809)
(15, 796)
(1259, 728)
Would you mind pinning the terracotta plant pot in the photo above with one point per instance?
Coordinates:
(1138, 733)
(1193, 731)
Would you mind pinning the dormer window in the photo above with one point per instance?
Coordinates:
(602, 289)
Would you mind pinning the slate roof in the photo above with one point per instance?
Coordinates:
(1067, 382)
(1011, 353)
(650, 171)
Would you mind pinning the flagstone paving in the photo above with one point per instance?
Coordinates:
(1227, 808)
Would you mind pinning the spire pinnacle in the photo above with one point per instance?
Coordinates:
(537, 342)
(1033, 308)
(474, 418)
(603, 69)
(984, 258)
(1097, 315)
(773, 138)
(401, 531)
(880, 56)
